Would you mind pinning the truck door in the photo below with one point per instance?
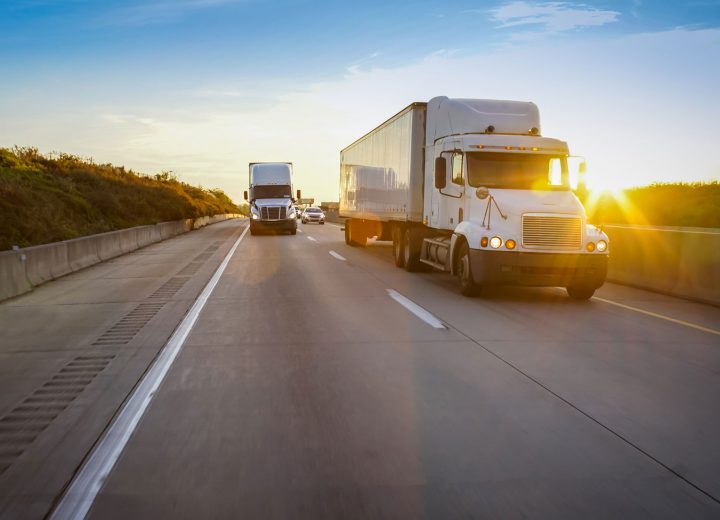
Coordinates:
(451, 199)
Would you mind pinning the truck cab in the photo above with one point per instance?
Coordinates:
(504, 194)
(272, 207)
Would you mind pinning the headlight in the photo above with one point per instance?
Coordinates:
(601, 246)
(495, 242)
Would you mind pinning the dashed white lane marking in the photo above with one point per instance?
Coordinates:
(83, 489)
(312, 238)
(299, 230)
(336, 255)
(418, 311)
(660, 316)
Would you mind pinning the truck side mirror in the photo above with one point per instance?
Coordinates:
(245, 195)
(299, 194)
(440, 172)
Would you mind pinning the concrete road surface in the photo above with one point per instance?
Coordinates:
(306, 389)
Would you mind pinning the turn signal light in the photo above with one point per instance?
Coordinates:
(510, 243)
(590, 247)
(484, 241)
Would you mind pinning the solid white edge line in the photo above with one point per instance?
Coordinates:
(659, 316)
(418, 311)
(82, 491)
(338, 256)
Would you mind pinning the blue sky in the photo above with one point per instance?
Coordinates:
(202, 87)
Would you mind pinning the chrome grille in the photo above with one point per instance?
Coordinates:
(273, 212)
(552, 232)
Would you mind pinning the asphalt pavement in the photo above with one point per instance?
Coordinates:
(319, 381)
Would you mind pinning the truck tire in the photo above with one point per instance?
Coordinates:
(398, 246)
(411, 244)
(293, 231)
(580, 292)
(463, 268)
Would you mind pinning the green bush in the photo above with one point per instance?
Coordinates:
(50, 198)
(678, 204)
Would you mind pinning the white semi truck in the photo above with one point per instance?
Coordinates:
(271, 204)
(469, 186)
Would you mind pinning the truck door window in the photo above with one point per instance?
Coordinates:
(457, 169)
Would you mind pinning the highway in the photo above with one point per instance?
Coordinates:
(320, 381)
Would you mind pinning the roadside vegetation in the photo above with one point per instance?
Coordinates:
(48, 198)
(676, 204)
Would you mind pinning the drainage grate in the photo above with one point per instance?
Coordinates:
(190, 269)
(21, 426)
(169, 288)
(202, 257)
(126, 329)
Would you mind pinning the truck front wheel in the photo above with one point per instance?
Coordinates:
(580, 292)
(463, 268)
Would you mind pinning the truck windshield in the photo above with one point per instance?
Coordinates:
(272, 191)
(517, 171)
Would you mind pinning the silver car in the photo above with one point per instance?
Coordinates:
(313, 215)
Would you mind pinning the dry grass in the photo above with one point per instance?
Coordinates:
(46, 199)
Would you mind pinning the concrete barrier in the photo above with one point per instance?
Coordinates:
(12, 275)
(23, 269)
(201, 222)
(170, 229)
(677, 261)
(82, 252)
(146, 235)
(46, 262)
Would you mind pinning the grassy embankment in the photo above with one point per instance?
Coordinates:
(46, 199)
(677, 204)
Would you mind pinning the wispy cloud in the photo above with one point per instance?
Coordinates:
(355, 67)
(551, 17)
(158, 11)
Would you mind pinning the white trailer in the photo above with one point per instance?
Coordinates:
(470, 187)
(271, 203)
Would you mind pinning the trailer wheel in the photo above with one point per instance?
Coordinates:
(398, 246)
(580, 292)
(463, 268)
(411, 245)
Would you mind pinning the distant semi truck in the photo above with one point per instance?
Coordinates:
(272, 207)
(469, 186)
